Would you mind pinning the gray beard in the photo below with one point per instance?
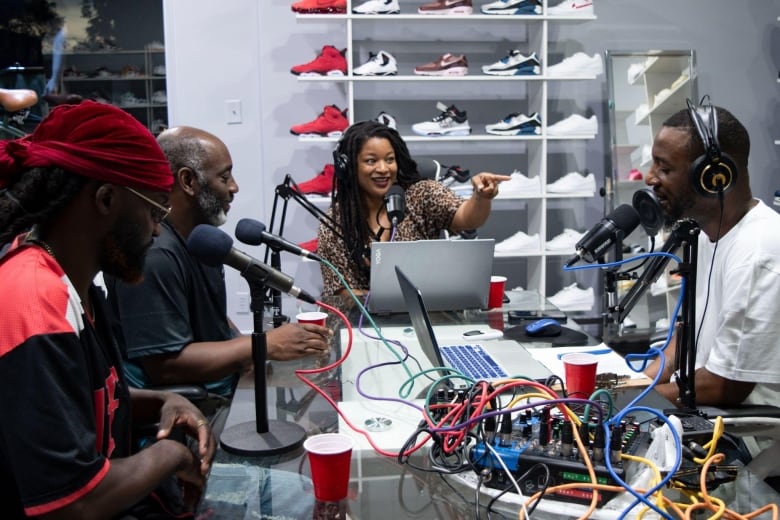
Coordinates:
(210, 206)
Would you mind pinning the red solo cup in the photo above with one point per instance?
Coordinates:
(580, 374)
(496, 294)
(330, 455)
(315, 317)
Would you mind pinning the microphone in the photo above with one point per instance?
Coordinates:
(214, 247)
(395, 202)
(252, 232)
(615, 226)
(651, 215)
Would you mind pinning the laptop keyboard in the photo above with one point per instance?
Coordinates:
(473, 361)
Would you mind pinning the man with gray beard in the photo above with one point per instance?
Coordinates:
(175, 323)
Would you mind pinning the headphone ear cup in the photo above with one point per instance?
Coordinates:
(340, 164)
(709, 178)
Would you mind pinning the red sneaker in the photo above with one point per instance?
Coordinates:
(321, 184)
(330, 62)
(310, 246)
(320, 7)
(330, 123)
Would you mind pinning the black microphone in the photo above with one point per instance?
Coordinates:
(215, 247)
(252, 232)
(395, 202)
(615, 226)
(651, 215)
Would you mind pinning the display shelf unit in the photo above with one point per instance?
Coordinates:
(412, 98)
(133, 80)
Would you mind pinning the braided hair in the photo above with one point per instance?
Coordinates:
(35, 197)
(346, 190)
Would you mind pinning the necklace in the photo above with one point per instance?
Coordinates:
(40, 243)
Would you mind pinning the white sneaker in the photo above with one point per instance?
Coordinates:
(661, 96)
(641, 112)
(572, 298)
(575, 124)
(578, 64)
(519, 185)
(517, 244)
(573, 182)
(565, 241)
(634, 71)
(514, 64)
(571, 8)
(380, 64)
(450, 121)
(386, 119)
(378, 7)
(516, 124)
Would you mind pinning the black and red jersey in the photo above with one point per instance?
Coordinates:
(65, 407)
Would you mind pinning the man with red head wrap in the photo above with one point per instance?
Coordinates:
(84, 193)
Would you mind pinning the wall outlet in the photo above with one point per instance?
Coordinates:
(243, 303)
(233, 111)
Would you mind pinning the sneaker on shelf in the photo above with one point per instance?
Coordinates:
(386, 119)
(447, 65)
(516, 124)
(330, 123)
(564, 241)
(378, 7)
(320, 7)
(513, 7)
(514, 64)
(159, 97)
(130, 71)
(446, 7)
(155, 45)
(575, 124)
(380, 64)
(461, 189)
(578, 64)
(450, 121)
(519, 186)
(329, 62)
(158, 70)
(661, 96)
(571, 8)
(518, 243)
(634, 175)
(776, 201)
(572, 298)
(634, 71)
(320, 184)
(573, 182)
(641, 112)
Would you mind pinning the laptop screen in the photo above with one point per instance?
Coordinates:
(453, 274)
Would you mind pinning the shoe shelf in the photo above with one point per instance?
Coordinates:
(413, 39)
(126, 78)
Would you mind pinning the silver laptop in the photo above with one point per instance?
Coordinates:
(453, 274)
(496, 359)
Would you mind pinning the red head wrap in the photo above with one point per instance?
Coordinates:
(92, 139)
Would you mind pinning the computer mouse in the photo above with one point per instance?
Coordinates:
(544, 328)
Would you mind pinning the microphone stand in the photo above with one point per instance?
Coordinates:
(685, 234)
(261, 436)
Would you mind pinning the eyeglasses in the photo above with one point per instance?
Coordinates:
(159, 212)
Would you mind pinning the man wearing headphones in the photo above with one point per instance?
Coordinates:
(700, 171)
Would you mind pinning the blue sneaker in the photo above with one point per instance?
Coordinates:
(513, 7)
(516, 124)
(514, 64)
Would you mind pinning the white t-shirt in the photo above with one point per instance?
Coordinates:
(740, 329)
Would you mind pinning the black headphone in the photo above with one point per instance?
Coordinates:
(714, 172)
(340, 163)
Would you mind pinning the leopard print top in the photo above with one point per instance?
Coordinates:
(430, 208)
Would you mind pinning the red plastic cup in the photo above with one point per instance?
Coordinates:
(496, 294)
(315, 317)
(580, 373)
(330, 455)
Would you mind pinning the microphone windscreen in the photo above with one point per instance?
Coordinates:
(395, 189)
(250, 231)
(625, 218)
(209, 245)
(650, 213)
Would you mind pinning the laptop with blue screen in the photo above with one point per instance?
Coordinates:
(495, 360)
